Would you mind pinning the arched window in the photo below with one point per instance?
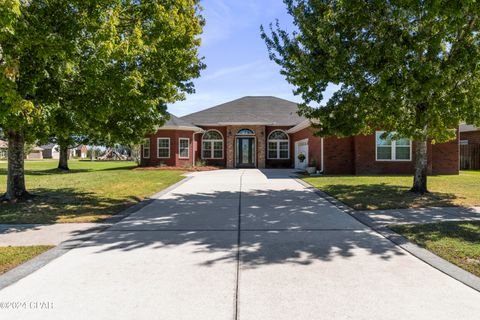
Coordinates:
(212, 145)
(278, 145)
(245, 132)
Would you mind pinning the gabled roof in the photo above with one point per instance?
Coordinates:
(249, 110)
(48, 146)
(467, 127)
(179, 124)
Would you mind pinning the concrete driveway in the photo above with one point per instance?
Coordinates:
(240, 244)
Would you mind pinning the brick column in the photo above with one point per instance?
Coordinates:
(230, 141)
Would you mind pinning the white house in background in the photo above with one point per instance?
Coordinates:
(35, 154)
(51, 151)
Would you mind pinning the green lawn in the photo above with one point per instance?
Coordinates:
(457, 242)
(91, 192)
(387, 192)
(10, 257)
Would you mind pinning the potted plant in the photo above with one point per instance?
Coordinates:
(312, 167)
(301, 157)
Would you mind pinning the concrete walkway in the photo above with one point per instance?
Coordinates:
(240, 244)
(41, 234)
(424, 215)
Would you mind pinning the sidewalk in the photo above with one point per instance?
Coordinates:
(423, 215)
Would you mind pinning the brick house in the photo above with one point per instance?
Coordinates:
(267, 132)
(469, 134)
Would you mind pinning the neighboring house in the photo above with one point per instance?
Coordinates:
(3, 149)
(469, 134)
(51, 151)
(35, 154)
(267, 132)
(80, 152)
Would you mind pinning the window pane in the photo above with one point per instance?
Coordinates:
(272, 150)
(284, 149)
(383, 142)
(184, 148)
(146, 152)
(278, 135)
(218, 145)
(163, 153)
(402, 153)
(218, 154)
(245, 132)
(212, 135)
(403, 142)
(206, 150)
(384, 153)
(163, 143)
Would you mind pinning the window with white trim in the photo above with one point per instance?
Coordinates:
(278, 145)
(163, 148)
(146, 148)
(388, 149)
(212, 145)
(183, 148)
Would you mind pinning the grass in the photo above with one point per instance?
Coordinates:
(389, 192)
(91, 192)
(457, 242)
(10, 257)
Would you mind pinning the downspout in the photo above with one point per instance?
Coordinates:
(321, 160)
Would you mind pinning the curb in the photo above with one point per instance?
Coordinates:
(32, 265)
(422, 254)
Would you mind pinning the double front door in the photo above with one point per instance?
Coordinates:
(245, 152)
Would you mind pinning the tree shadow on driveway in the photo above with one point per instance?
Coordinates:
(277, 226)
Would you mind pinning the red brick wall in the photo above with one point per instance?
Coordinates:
(356, 155)
(442, 158)
(314, 145)
(339, 155)
(174, 159)
(446, 157)
(473, 137)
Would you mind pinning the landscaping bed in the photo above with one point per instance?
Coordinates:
(187, 169)
(10, 257)
(392, 192)
(90, 192)
(457, 242)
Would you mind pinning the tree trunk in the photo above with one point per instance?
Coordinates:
(16, 175)
(421, 165)
(63, 159)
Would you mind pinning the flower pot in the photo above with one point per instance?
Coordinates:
(311, 170)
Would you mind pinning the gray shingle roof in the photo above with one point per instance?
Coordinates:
(262, 109)
(175, 122)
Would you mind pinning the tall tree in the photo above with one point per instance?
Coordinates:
(408, 67)
(110, 64)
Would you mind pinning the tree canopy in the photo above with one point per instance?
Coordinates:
(103, 69)
(409, 67)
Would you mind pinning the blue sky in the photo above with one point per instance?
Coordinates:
(236, 57)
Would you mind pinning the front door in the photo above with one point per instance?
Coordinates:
(245, 152)
(301, 147)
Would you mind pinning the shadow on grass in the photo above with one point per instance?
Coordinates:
(63, 205)
(385, 196)
(277, 227)
(467, 231)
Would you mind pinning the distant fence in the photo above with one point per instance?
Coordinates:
(470, 157)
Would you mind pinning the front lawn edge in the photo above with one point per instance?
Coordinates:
(424, 255)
